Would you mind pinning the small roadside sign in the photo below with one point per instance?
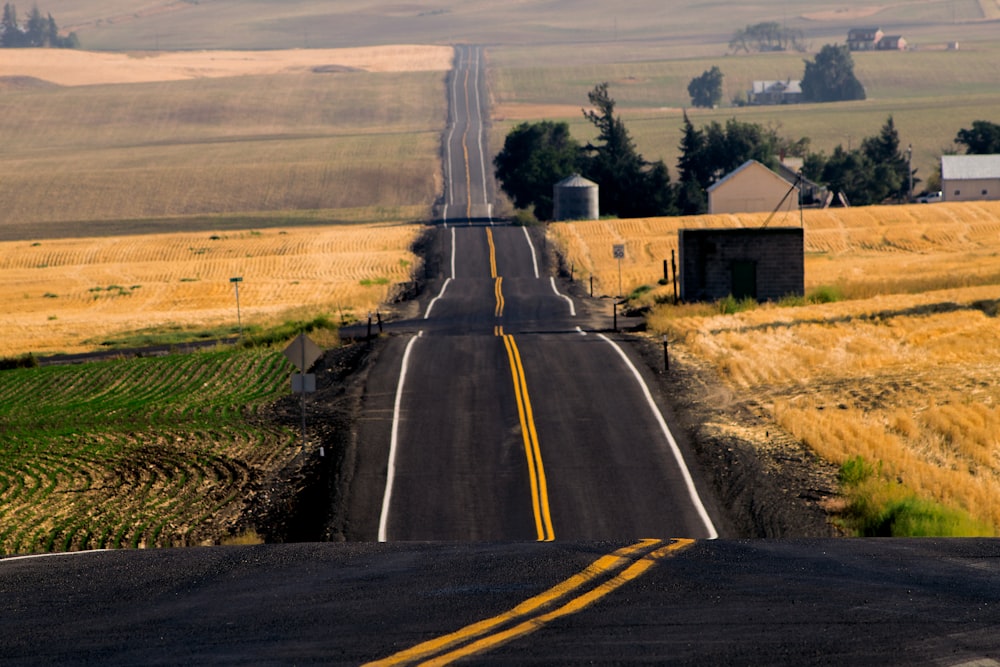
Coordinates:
(302, 352)
(303, 383)
(619, 249)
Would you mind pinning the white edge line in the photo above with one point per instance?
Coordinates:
(452, 252)
(435, 299)
(383, 520)
(692, 492)
(50, 555)
(534, 257)
(572, 307)
(580, 331)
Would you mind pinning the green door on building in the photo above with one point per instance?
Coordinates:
(744, 274)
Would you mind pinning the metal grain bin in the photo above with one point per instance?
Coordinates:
(575, 198)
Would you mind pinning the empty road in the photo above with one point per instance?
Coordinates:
(507, 411)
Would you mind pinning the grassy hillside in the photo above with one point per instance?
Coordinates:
(102, 153)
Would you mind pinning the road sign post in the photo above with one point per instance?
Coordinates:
(619, 249)
(236, 283)
(303, 353)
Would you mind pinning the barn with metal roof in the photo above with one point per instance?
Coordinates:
(970, 177)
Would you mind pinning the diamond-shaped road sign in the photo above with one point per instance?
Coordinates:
(302, 352)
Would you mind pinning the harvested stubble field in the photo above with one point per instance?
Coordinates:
(902, 371)
(136, 453)
(106, 138)
(71, 295)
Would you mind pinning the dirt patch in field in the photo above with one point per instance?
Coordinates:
(844, 13)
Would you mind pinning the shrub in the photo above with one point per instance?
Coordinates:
(731, 305)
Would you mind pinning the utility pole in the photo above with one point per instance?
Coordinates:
(909, 170)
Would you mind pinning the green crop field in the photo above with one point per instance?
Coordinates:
(134, 453)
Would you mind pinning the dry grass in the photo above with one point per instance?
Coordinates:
(903, 373)
(281, 142)
(67, 295)
(87, 68)
(863, 251)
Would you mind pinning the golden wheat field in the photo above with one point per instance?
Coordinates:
(902, 372)
(68, 295)
(71, 67)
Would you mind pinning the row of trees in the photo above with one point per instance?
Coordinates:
(767, 36)
(37, 31)
(829, 77)
(537, 155)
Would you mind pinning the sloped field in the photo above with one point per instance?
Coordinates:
(66, 295)
(136, 453)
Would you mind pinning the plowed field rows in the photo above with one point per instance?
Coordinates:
(144, 452)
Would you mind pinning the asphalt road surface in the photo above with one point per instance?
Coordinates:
(713, 602)
(510, 415)
(534, 509)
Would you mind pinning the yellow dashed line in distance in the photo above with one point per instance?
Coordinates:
(498, 288)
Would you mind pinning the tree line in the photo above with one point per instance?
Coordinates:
(537, 155)
(37, 31)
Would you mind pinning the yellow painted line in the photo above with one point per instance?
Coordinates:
(498, 289)
(493, 253)
(536, 471)
(573, 595)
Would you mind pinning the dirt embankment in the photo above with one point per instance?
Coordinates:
(766, 484)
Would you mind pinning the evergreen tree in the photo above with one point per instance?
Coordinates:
(38, 31)
(630, 186)
(12, 36)
(693, 171)
(891, 171)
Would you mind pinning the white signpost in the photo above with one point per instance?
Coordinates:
(303, 353)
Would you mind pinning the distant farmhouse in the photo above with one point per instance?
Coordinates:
(752, 187)
(873, 39)
(788, 91)
(970, 177)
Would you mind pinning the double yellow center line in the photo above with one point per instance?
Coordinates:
(603, 576)
(532, 452)
(536, 471)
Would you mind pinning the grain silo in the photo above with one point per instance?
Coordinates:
(575, 198)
